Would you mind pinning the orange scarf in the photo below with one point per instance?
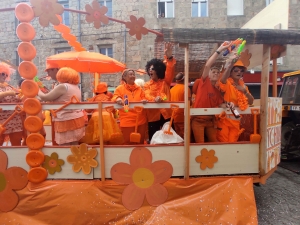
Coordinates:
(242, 99)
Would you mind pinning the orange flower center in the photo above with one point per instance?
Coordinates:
(143, 178)
(83, 158)
(97, 14)
(52, 163)
(2, 182)
(137, 28)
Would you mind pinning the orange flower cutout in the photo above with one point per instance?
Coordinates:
(82, 158)
(53, 163)
(47, 10)
(144, 179)
(207, 159)
(13, 178)
(96, 14)
(136, 27)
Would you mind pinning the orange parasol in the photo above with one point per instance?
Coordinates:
(87, 62)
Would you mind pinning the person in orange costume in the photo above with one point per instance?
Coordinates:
(208, 96)
(177, 95)
(158, 88)
(14, 128)
(128, 119)
(101, 95)
(235, 91)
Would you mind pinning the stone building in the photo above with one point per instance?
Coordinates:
(113, 39)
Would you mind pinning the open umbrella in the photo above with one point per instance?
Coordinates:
(84, 61)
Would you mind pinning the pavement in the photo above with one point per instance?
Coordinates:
(278, 201)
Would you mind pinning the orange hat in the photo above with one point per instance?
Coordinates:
(51, 65)
(101, 88)
(239, 63)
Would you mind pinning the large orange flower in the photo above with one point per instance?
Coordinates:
(13, 178)
(136, 27)
(206, 159)
(82, 158)
(96, 14)
(47, 10)
(144, 179)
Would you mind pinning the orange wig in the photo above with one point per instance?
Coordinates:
(4, 68)
(67, 75)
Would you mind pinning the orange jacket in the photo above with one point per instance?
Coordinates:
(128, 119)
(156, 88)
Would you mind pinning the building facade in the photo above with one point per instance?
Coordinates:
(114, 40)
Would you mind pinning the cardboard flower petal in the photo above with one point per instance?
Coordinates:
(96, 14)
(53, 163)
(82, 158)
(136, 27)
(47, 10)
(207, 159)
(144, 178)
(13, 178)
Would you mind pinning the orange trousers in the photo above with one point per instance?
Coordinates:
(228, 130)
(204, 125)
(179, 128)
(141, 129)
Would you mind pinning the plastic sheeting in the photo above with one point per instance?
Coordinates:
(212, 200)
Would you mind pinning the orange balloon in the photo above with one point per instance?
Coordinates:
(27, 70)
(33, 124)
(25, 32)
(29, 88)
(61, 28)
(37, 175)
(75, 44)
(26, 51)
(32, 106)
(24, 12)
(35, 141)
(69, 37)
(35, 158)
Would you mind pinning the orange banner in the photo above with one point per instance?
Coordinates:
(198, 200)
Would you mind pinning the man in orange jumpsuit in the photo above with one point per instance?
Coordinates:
(177, 95)
(208, 96)
(235, 91)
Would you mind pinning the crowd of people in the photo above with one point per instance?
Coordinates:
(211, 90)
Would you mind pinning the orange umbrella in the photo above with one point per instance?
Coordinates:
(87, 62)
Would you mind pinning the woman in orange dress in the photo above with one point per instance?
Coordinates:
(235, 91)
(158, 88)
(69, 124)
(134, 93)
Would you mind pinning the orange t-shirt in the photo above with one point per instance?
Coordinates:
(177, 95)
(134, 94)
(208, 96)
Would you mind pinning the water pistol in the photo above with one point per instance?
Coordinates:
(241, 47)
(126, 103)
(40, 84)
(236, 43)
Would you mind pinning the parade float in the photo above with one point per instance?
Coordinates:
(210, 183)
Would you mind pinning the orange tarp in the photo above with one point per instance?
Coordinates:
(218, 200)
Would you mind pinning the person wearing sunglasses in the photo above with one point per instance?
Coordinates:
(234, 89)
(14, 128)
(161, 75)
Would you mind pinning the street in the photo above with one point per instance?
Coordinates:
(278, 202)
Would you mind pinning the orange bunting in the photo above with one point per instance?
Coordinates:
(136, 27)
(96, 14)
(207, 159)
(242, 99)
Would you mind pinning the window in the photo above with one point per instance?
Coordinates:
(235, 7)
(66, 14)
(60, 50)
(268, 2)
(106, 50)
(108, 4)
(279, 61)
(199, 8)
(165, 9)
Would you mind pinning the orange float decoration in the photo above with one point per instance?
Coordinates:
(26, 51)
(35, 141)
(37, 174)
(68, 37)
(33, 124)
(32, 106)
(35, 158)
(29, 88)
(96, 14)
(61, 28)
(24, 12)
(27, 70)
(206, 159)
(25, 32)
(53, 163)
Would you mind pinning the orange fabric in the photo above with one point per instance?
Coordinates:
(157, 88)
(14, 138)
(101, 88)
(67, 125)
(179, 128)
(141, 129)
(177, 95)
(208, 96)
(195, 86)
(204, 125)
(136, 94)
(231, 197)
